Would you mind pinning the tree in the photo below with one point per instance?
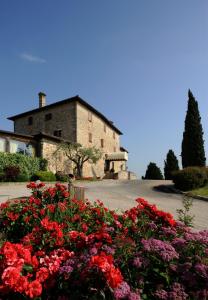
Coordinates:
(171, 164)
(79, 155)
(193, 144)
(153, 172)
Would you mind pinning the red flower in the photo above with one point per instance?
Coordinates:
(27, 219)
(21, 284)
(42, 274)
(114, 277)
(51, 208)
(32, 185)
(10, 276)
(34, 289)
(12, 216)
(73, 234)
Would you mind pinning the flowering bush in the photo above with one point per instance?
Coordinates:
(54, 247)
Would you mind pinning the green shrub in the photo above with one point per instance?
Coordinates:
(43, 164)
(190, 178)
(43, 176)
(27, 165)
(61, 177)
(2, 176)
(11, 173)
(23, 178)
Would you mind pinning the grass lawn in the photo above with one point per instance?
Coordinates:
(201, 191)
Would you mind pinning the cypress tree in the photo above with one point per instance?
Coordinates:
(153, 172)
(171, 165)
(193, 144)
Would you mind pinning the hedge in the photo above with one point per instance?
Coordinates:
(28, 165)
(190, 178)
(43, 176)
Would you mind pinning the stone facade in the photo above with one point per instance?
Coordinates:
(102, 136)
(56, 160)
(63, 118)
(73, 120)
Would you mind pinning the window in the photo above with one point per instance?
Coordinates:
(57, 133)
(21, 147)
(114, 149)
(48, 117)
(102, 143)
(114, 135)
(30, 120)
(2, 145)
(90, 137)
(89, 116)
(104, 128)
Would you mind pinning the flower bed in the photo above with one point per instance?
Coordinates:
(56, 248)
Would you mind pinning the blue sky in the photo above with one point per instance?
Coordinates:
(133, 60)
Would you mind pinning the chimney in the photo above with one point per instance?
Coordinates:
(42, 99)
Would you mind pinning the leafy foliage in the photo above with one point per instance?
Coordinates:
(11, 173)
(184, 213)
(171, 165)
(190, 178)
(193, 153)
(57, 248)
(153, 172)
(27, 165)
(79, 155)
(44, 176)
(61, 177)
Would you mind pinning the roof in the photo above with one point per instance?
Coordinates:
(68, 100)
(41, 135)
(38, 136)
(16, 134)
(123, 149)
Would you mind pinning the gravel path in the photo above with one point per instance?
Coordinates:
(122, 194)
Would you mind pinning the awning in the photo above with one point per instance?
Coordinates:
(117, 156)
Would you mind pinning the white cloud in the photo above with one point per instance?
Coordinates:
(32, 58)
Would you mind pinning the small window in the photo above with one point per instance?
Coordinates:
(104, 128)
(48, 117)
(30, 120)
(114, 149)
(58, 133)
(89, 116)
(114, 135)
(90, 137)
(102, 143)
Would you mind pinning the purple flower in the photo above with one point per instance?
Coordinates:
(163, 249)
(93, 251)
(137, 262)
(108, 250)
(177, 292)
(202, 270)
(66, 269)
(133, 296)
(152, 226)
(168, 231)
(161, 294)
(122, 291)
(201, 295)
(179, 242)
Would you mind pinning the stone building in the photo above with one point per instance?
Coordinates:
(71, 120)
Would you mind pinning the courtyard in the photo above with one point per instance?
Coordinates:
(121, 195)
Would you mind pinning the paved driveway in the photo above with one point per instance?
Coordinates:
(122, 195)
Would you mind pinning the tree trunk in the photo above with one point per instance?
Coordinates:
(79, 171)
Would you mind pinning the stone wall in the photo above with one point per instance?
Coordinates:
(99, 130)
(63, 118)
(58, 162)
